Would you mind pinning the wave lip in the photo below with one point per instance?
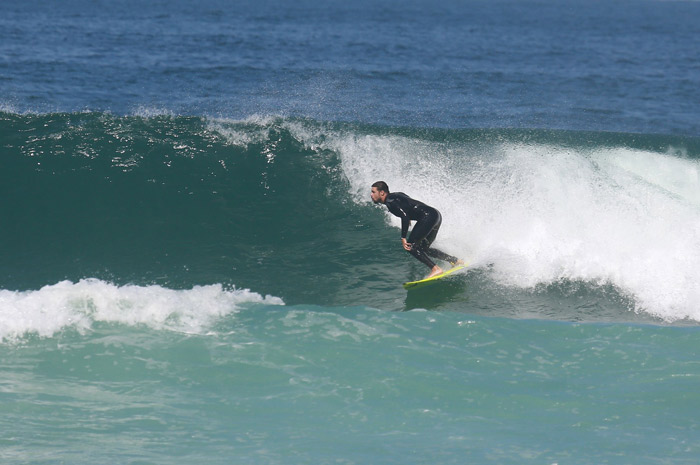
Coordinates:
(78, 306)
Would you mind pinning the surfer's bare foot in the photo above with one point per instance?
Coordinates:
(457, 263)
(434, 272)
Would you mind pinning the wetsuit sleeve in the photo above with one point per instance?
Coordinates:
(405, 223)
(396, 210)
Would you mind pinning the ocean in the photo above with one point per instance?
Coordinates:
(192, 270)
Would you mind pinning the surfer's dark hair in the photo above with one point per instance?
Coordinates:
(381, 186)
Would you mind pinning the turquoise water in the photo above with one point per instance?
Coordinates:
(191, 269)
(282, 384)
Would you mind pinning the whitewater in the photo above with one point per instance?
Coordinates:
(541, 214)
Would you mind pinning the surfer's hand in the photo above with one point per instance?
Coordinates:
(406, 245)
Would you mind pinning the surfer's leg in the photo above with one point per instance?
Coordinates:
(419, 251)
(422, 235)
(420, 254)
(437, 253)
(440, 255)
(429, 238)
(426, 229)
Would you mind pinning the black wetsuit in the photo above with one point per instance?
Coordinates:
(428, 221)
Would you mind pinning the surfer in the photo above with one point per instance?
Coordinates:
(427, 220)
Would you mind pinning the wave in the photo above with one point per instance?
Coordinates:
(78, 306)
(281, 206)
(540, 212)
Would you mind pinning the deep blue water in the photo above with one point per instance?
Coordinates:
(191, 269)
(629, 66)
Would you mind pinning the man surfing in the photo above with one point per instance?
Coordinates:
(427, 220)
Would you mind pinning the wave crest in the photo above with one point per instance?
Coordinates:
(78, 306)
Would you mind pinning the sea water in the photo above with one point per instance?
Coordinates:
(191, 269)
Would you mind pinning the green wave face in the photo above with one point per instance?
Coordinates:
(281, 206)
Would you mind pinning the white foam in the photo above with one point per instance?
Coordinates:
(147, 112)
(543, 213)
(8, 108)
(78, 305)
(253, 130)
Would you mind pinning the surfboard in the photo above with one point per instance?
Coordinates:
(426, 281)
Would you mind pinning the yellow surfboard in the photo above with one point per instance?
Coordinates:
(426, 281)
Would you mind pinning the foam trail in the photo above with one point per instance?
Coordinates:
(78, 305)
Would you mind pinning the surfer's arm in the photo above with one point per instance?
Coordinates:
(396, 210)
(405, 223)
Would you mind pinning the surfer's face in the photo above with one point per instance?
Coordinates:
(377, 196)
